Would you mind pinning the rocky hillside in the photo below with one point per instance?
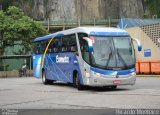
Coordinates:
(80, 9)
(86, 9)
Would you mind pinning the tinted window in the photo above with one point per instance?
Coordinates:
(56, 45)
(69, 43)
(84, 47)
(66, 43)
(39, 47)
(36, 48)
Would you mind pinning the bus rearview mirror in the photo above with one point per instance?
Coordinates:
(90, 44)
(138, 44)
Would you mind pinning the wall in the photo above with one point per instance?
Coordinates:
(147, 43)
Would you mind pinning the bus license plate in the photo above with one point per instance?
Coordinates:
(116, 81)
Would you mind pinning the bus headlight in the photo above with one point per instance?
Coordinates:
(98, 74)
(133, 73)
(95, 73)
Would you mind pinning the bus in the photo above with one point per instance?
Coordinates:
(86, 56)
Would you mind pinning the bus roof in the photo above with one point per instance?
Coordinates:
(97, 31)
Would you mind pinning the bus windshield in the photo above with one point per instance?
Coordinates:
(114, 53)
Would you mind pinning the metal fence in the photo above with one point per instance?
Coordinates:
(15, 62)
(11, 64)
(76, 23)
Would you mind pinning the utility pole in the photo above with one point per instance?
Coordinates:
(48, 24)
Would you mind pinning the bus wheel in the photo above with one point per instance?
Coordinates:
(77, 83)
(44, 80)
(114, 86)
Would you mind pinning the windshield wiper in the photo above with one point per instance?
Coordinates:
(110, 55)
(124, 63)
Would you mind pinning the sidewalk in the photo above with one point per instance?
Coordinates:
(144, 75)
(14, 73)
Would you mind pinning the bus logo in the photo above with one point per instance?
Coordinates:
(64, 59)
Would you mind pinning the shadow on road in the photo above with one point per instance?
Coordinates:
(105, 89)
(89, 88)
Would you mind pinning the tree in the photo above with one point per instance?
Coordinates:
(15, 26)
(153, 6)
(3, 27)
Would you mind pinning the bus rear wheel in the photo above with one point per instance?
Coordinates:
(45, 81)
(76, 82)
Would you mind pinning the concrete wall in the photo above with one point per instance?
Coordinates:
(147, 43)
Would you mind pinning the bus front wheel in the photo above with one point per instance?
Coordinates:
(45, 81)
(76, 82)
(114, 86)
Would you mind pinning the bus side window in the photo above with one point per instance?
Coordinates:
(84, 47)
(50, 48)
(56, 45)
(64, 48)
(55, 50)
(73, 43)
(85, 53)
(73, 48)
(69, 43)
(64, 44)
(37, 46)
(42, 47)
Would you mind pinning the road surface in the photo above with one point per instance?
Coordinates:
(30, 93)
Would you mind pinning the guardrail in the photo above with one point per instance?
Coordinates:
(75, 23)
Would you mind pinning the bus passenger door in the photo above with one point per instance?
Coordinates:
(37, 65)
(85, 49)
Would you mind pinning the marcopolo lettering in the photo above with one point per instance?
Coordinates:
(64, 59)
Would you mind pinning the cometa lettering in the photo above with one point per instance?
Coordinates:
(62, 59)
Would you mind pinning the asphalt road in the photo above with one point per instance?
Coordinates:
(30, 93)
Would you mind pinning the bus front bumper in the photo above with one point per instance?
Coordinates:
(110, 81)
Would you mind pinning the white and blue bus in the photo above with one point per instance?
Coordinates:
(86, 56)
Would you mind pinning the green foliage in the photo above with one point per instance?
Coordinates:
(153, 6)
(15, 26)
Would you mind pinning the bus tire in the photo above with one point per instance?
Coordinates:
(114, 86)
(45, 81)
(77, 83)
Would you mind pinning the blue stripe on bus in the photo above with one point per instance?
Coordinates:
(113, 72)
(47, 37)
(109, 33)
(62, 71)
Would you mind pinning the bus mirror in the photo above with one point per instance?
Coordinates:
(138, 44)
(90, 44)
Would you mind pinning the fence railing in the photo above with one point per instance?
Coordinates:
(75, 23)
(10, 65)
(15, 62)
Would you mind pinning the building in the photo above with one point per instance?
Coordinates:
(148, 32)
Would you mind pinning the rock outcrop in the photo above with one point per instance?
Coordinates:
(83, 9)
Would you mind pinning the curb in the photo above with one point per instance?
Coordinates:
(148, 76)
